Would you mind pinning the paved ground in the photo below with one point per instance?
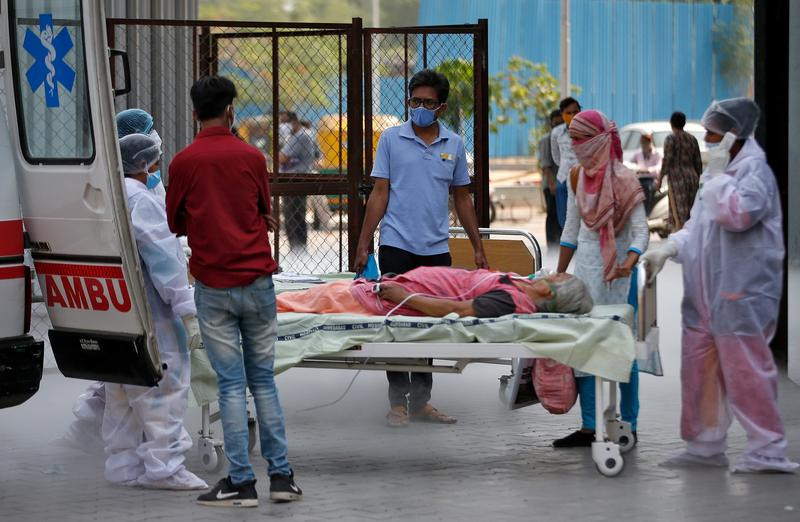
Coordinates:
(493, 465)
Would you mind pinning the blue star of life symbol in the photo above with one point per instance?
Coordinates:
(49, 69)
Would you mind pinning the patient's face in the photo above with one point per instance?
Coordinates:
(541, 289)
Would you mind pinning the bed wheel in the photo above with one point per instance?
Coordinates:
(252, 434)
(212, 455)
(610, 468)
(607, 458)
(620, 432)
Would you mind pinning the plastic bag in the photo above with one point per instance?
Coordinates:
(555, 385)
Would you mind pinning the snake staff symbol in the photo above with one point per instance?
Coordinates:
(48, 50)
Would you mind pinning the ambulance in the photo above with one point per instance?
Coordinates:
(59, 164)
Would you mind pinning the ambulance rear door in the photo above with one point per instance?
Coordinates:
(63, 134)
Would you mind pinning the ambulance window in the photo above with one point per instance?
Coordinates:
(52, 97)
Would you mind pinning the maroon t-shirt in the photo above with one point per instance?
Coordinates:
(218, 195)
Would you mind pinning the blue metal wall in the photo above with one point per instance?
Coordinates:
(634, 60)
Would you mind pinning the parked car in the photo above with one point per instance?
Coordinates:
(630, 135)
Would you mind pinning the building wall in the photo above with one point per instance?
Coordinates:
(634, 60)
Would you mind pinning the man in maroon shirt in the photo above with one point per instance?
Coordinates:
(218, 196)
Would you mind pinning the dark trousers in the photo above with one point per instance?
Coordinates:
(647, 185)
(408, 389)
(294, 219)
(551, 226)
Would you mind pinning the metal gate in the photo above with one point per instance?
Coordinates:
(345, 81)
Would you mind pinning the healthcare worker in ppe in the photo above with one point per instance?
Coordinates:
(84, 432)
(732, 251)
(143, 426)
(137, 121)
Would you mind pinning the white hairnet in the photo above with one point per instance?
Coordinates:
(571, 296)
(734, 114)
(138, 153)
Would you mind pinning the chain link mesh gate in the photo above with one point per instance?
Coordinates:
(460, 52)
(344, 82)
(298, 68)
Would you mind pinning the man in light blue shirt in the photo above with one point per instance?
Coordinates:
(416, 166)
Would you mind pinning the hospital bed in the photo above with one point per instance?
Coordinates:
(601, 343)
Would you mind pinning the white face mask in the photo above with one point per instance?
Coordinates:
(712, 146)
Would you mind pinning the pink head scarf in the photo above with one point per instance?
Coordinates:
(607, 192)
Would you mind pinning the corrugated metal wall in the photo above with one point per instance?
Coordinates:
(161, 74)
(634, 60)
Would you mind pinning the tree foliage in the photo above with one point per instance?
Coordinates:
(733, 45)
(524, 91)
(393, 12)
(309, 66)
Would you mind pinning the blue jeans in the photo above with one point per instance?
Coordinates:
(628, 403)
(561, 203)
(225, 314)
(629, 391)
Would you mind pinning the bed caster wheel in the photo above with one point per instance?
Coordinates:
(607, 458)
(620, 432)
(252, 434)
(212, 456)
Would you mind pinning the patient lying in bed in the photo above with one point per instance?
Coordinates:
(439, 291)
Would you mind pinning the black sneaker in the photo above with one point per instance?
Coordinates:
(225, 494)
(578, 439)
(283, 489)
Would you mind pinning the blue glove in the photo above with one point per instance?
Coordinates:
(370, 271)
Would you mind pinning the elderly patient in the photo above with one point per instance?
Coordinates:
(438, 291)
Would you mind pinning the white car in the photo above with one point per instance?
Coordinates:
(630, 135)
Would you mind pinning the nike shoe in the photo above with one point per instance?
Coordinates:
(226, 494)
(283, 489)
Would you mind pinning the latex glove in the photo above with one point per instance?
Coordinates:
(719, 157)
(185, 245)
(655, 258)
(192, 331)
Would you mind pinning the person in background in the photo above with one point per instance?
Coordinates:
(284, 127)
(319, 203)
(549, 170)
(732, 252)
(219, 197)
(682, 167)
(298, 154)
(416, 165)
(648, 168)
(145, 440)
(563, 155)
(606, 231)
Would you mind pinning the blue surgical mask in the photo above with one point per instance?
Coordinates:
(423, 117)
(153, 179)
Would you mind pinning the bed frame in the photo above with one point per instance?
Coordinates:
(517, 252)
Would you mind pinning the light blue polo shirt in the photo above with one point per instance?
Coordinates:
(420, 176)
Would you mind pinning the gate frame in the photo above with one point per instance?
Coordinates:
(359, 101)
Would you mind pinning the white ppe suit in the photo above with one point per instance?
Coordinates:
(142, 426)
(732, 251)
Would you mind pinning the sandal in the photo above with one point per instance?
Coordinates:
(397, 417)
(430, 414)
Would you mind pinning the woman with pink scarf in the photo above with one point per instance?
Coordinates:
(606, 232)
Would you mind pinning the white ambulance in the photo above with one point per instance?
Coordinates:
(62, 144)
